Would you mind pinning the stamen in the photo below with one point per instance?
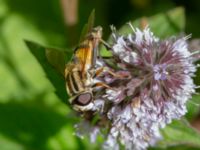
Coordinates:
(197, 87)
(195, 52)
(114, 32)
(129, 23)
(187, 37)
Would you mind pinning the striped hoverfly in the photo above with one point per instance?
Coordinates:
(80, 72)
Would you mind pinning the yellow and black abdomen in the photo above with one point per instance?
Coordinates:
(74, 81)
(79, 93)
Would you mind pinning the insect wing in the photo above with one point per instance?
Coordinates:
(83, 57)
(88, 26)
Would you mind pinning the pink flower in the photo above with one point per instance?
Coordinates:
(160, 84)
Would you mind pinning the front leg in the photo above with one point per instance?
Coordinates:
(101, 70)
(101, 84)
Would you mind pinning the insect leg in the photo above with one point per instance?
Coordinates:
(100, 70)
(101, 84)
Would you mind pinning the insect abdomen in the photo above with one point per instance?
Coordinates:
(75, 84)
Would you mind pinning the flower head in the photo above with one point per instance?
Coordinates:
(156, 91)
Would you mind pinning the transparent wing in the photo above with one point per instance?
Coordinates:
(88, 26)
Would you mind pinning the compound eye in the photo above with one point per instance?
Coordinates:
(83, 99)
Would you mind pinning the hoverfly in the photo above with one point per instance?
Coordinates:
(80, 72)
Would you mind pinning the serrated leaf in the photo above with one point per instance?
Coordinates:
(163, 24)
(88, 26)
(54, 57)
(179, 133)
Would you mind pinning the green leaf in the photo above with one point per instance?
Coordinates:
(193, 107)
(180, 133)
(52, 61)
(57, 58)
(163, 24)
(35, 128)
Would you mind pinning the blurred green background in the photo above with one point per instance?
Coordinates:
(31, 115)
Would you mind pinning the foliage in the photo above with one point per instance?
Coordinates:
(32, 117)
